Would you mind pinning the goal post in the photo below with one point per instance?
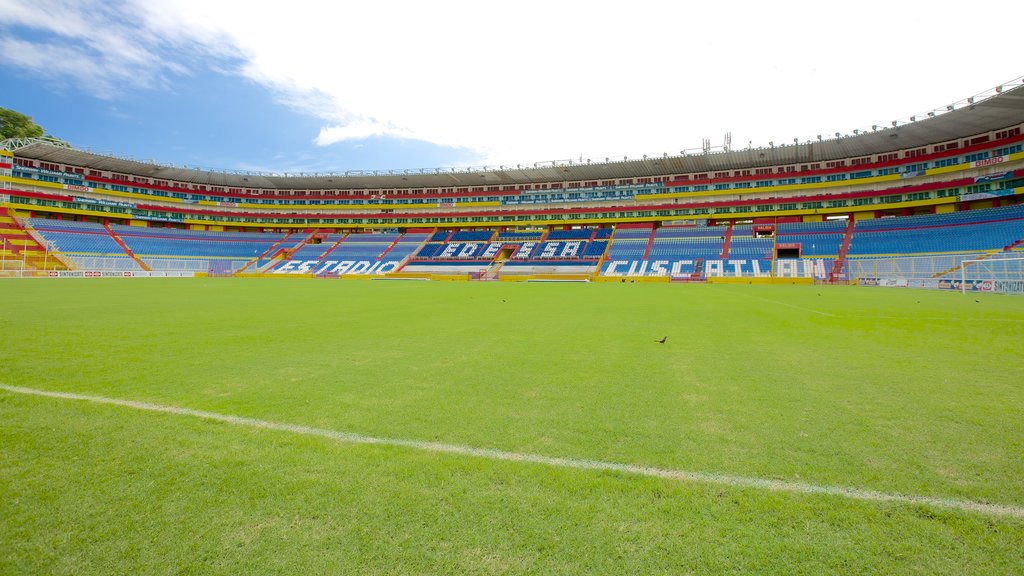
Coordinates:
(1002, 275)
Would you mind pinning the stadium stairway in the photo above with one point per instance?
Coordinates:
(604, 255)
(491, 273)
(21, 246)
(844, 249)
(287, 252)
(650, 243)
(411, 255)
(726, 241)
(126, 249)
(390, 247)
(267, 252)
(334, 246)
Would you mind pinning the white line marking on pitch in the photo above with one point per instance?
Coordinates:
(1001, 510)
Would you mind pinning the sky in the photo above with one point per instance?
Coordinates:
(311, 86)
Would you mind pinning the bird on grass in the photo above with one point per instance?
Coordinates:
(663, 339)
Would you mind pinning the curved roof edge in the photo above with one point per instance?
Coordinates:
(12, 144)
(975, 115)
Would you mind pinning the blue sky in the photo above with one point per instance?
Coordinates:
(207, 119)
(304, 86)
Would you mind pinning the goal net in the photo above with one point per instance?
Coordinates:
(997, 274)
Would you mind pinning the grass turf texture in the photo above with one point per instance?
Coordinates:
(899, 391)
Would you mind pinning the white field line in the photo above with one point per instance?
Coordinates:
(998, 510)
(811, 310)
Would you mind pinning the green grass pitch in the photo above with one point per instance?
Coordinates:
(906, 392)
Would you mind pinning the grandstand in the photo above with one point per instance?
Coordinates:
(949, 184)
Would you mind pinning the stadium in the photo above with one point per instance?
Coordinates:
(799, 358)
(902, 203)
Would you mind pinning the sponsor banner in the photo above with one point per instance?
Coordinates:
(116, 274)
(730, 267)
(446, 204)
(913, 174)
(926, 283)
(140, 216)
(337, 267)
(228, 204)
(993, 177)
(990, 161)
(1008, 286)
(986, 195)
(970, 286)
(55, 173)
(100, 202)
(77, 188)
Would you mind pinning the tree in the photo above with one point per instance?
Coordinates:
(16, 125)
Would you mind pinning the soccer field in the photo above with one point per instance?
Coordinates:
(449, 427)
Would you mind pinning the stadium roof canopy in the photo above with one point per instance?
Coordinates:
(1000, 109)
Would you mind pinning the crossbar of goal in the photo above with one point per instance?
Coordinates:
(1003, 275)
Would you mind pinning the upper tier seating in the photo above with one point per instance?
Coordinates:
(510, 236)
(632, 233)
(689, 232)
(472, 236)
(815, 244)
(576, 234)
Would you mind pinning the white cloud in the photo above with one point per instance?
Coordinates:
(531, 81)
(100, 46)
(359, 130)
